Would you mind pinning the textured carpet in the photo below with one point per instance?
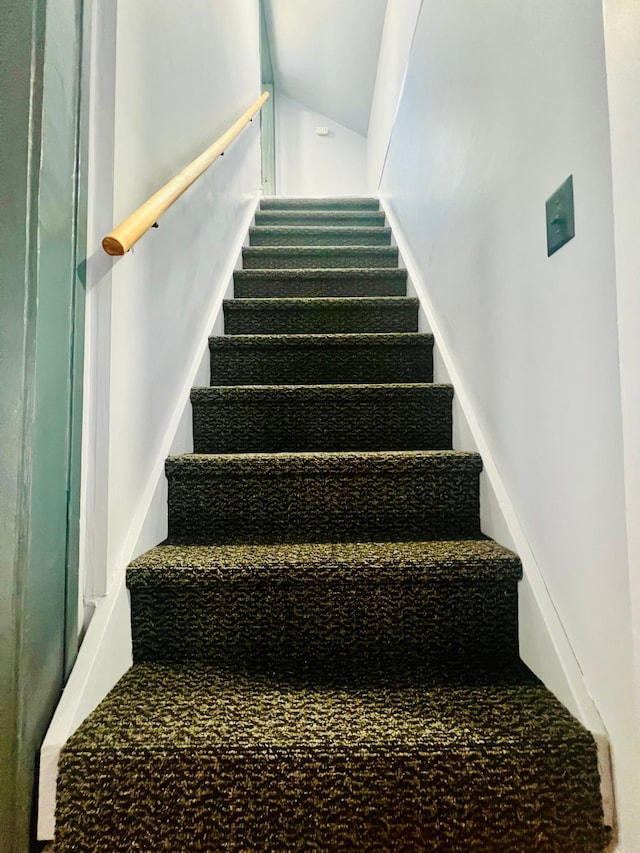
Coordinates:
(325, 257)
(306, 204)
(320, 217)
(261, 284)
(331, 612)
(326, 647)
(321, 359)
(323, 497)
(187, 757)
(278, 418)
(320, 316)
(310, 235)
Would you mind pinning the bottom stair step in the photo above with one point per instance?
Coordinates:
(190, 758)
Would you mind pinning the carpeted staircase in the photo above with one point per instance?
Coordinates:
(326, 648)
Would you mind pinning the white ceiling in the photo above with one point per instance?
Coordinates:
(325, 55)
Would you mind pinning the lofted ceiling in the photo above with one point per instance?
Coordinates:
(325, 55)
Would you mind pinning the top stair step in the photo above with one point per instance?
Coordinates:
(281, 203)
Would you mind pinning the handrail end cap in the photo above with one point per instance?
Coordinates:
(112, 246)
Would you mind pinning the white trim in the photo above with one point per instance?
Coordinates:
(105, 654)
(573, 692)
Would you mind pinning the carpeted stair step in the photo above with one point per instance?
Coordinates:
(320, 316)
(337, 203)
(332, 612)
(317, 235)
(323, 497)
(187, 757)
(320, 217)
(277, 418)
(318, 257)
(321, 359)
(261, 284)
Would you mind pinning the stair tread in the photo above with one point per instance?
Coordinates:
(288, 417)
(358, 339)
(308, 463)
(320, 302)
(184, 756)
(343, 281)
(322, 272)
(176, 707)
(205, 393)
(313, 235)
(326, 203)
(320, 229)
(337, 315)
(390, 562)
(321, 251)
(319, 216)
(322, 257)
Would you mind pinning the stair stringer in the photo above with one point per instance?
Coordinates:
(106, 650)
(544, 644)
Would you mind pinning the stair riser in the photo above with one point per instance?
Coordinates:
(297, 419)
(313, 365)
(258, 285)
(332, 631)
(320, 217)
(422, 502)
(330, 799)
(324, 319)
(322, 257)
(310, 236)
(319, 204)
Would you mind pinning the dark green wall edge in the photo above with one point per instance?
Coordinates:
(41, 320)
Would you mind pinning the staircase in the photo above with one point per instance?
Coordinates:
(326, 648)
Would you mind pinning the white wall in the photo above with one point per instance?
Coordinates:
(501, 103)
(312, 165)
(397, 36)
(185, 72)
(325, 55)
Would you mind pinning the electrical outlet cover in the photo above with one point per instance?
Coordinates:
(560, 217)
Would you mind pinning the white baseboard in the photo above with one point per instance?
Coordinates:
(105, 654)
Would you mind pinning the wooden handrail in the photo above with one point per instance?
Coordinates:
(145, 217)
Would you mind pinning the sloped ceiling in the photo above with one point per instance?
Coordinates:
(325, 55)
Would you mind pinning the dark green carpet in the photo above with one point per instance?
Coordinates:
(332, 612)
(306, 204)
(319, 235)
(321, 359)
(223, 761)
(267, 283)
(320, 217)
(278, 418)
(320, 316)
(324, 257)
(326, 648)
(323, 497)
